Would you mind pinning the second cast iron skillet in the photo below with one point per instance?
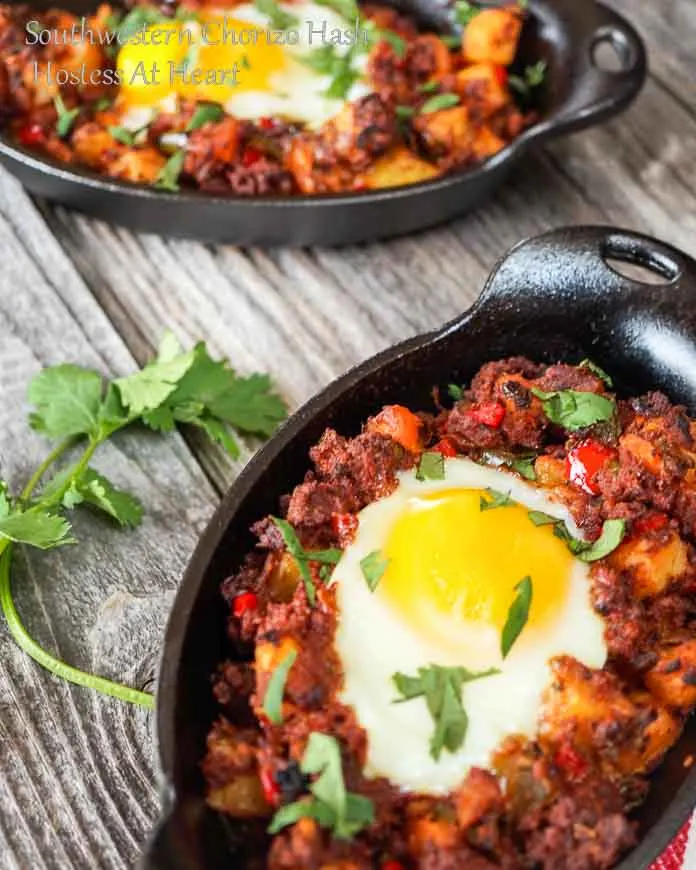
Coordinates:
(552, 298)
(577, 94)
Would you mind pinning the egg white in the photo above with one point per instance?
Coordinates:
(298, 92)
(374, 642)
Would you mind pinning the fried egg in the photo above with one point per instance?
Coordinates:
(236, 58)
(443, 599)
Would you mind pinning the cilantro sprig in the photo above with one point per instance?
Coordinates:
(80, 410)
(273, 699)
(575, 409)
(373, 567)
(518, 614)
(431, 466)
(442, 689)
(329, 803)
(495, 499)
(304, 557)
(66, 117)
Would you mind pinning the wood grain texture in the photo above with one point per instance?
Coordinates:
(76, 771)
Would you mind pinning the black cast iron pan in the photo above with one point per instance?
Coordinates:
(552, 298)
(578, 94)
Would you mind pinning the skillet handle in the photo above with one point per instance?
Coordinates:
(595, 94)
(558, 261)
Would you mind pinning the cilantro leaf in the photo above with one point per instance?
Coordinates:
(204, 114)
(250, 404)
(442, 689)
(439, 102)
(497, 500)
(574, 409)
(347, 9)
(304, 557)
(373, 567)
(168, 176)
(532, 77)
(96, 490)
(464, 12)
(431, 466)
(147, 389)
(404, 112)
(218, 432)
(68, 399)
(5, 503)
(279, 19)
(539, 518)
(613, 532)
(273, 699)
(136, 20)
(66, 117)
(517, 615)
(596, 370)
(37, 527)
(524, 466)
(122, 135)
(455, 392)
(330, 804)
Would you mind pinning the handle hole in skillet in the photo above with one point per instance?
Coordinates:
(639, 264)
(611, 52)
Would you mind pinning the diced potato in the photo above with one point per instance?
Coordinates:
(492, 35)
(642, 755)
(142, 165)
(242, 797)
(94, 145)
(42, 87)
(477, 796)
(673, 679)
(423, 829)
(643, 451)
(399, 166)
(481, 83)
(300, 161)
(589, 708)
(435, 48)
(550, 471)
(486, 143)
(653, 564)
(448, 129)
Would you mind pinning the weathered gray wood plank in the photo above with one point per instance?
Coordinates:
(76, 771)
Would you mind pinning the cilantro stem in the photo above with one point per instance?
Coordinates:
(35, 479)
(28, 645)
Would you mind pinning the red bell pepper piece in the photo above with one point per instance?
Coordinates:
(445, 447)
(585, 460)
(271, 789)
(488, 414)
(501, 75)
(243, 602)
(31, 134)
(570, 761)
(651, 522)
(251, 155)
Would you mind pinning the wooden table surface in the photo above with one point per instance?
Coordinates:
(78, 771)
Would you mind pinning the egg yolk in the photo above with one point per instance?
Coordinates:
(451, 563)
(151, 64)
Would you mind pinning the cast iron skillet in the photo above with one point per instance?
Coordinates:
(552, 298)
(578, 94)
